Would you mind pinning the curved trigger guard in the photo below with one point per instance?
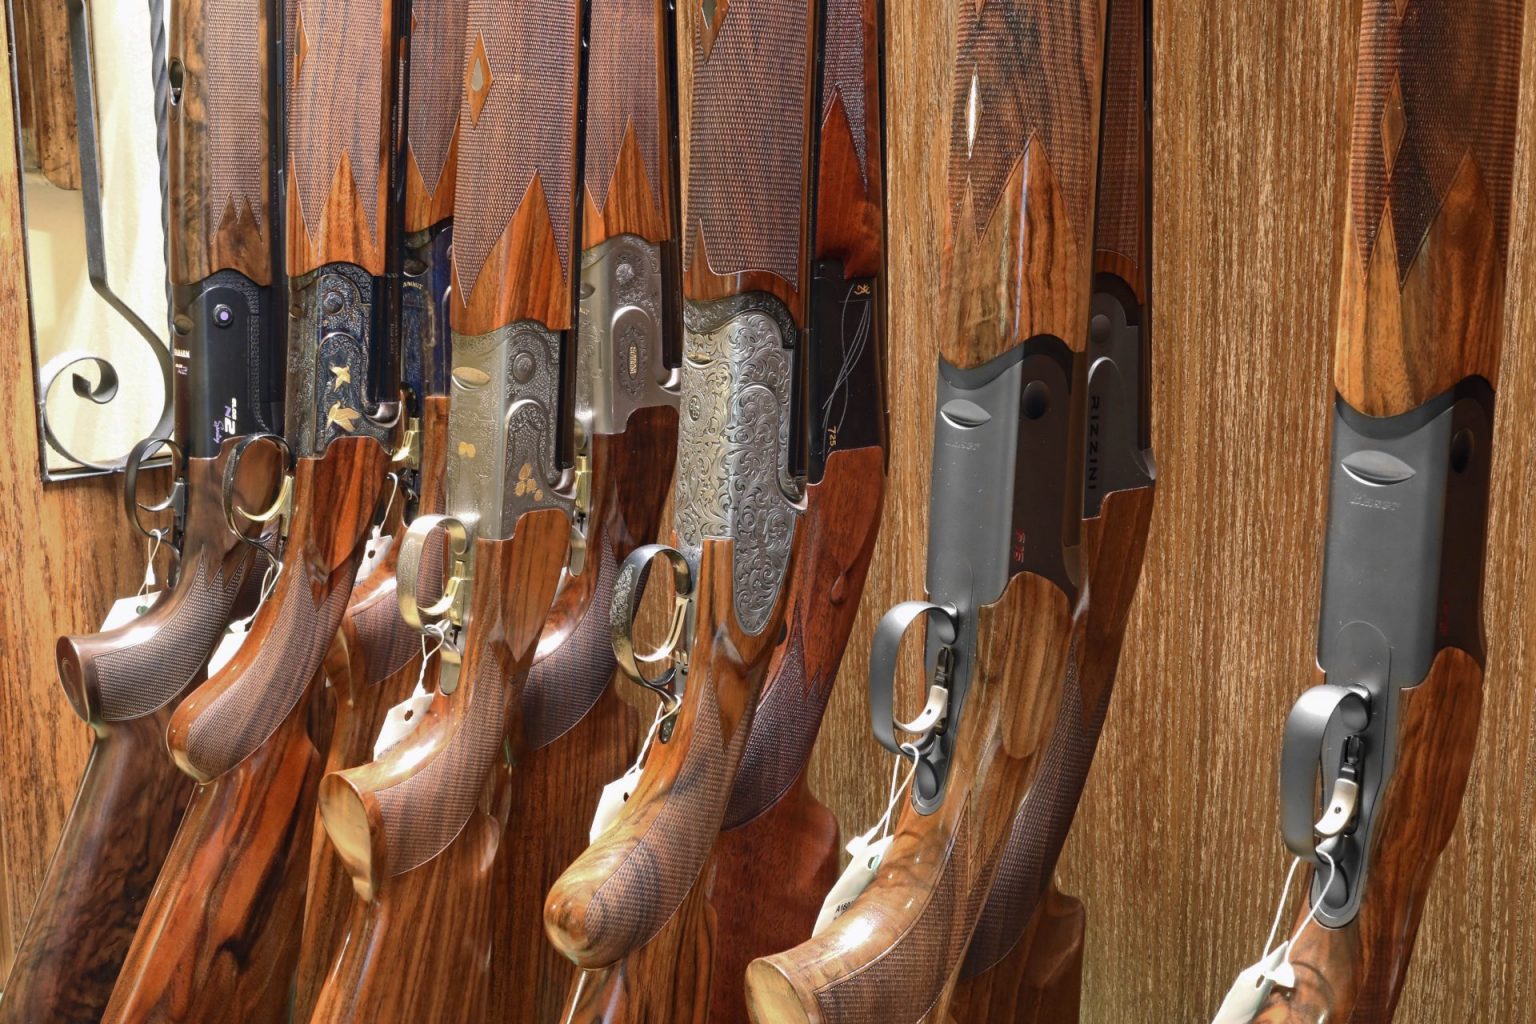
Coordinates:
(621, 617)
(883, 654)
(1306, 729)
(174, 502)
(408, 569)
(234, 513)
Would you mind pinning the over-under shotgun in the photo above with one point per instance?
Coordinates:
(225, 271)
(1025, 957)
(777, 852)
(1419, 326)
(445, 827)
(1006, 606)
(235, 876)
(751, 516)
(376, 660)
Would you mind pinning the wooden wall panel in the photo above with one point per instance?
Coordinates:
(1177, 854)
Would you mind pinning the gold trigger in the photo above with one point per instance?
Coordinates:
(409, 452)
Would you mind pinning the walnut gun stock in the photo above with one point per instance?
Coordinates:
(126, 682)
(235, 875)
(1025, 957)
(1419, 329)
(1005, 607)
(424, 828)
(738, 518)
(777, 852)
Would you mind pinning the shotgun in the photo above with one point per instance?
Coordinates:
(577, 731)
(1006, 594)
(375, 661)
(778, 846)
(1392, 723)
(541, 367)
(235, 876)
(749, 517)
(226, 279)
(1024, 962)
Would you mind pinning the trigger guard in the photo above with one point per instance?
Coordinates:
(232, 470)
(408, 567)
(625, 603)
(883, 654)
(131, 466)
(1306, 728)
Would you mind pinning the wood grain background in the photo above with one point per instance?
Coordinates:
(1177, 852)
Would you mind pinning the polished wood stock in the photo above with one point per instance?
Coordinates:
(125, 683)
(1356, 973)
(338, 149)
(895, 953)
(1041, 979)
(749, 136)
(221, 210)
(1421, 293)
(235, 875)
(619, 893)
(397, 821)
(630, 182)
(372, 665)
(515, 197)
(432, 110)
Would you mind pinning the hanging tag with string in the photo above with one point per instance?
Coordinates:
(235, 635)
(867, 850)
(379, 543)
(1246, 997)
(617, 793)
(125, 609)
(403, 719)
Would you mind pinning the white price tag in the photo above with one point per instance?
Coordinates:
(229, 643)
(854, 880)
(1248, 992)
(615, 795)
(374, 555)
(125, 609)
(401, 720)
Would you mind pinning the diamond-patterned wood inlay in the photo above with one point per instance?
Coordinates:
(1394, 125)
(478, 79)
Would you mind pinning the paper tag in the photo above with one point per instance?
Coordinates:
(229, 643)
(1248, 992)
(125, 609)
(374, 555)
(854, 880)
(401, 720)
(615, 795)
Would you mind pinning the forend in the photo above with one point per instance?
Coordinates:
(1430, 174)
(514, 205)
(220, 195)
(338, 180)
(432, 110)
(749, 147)
(627, 150)
(1022, 161)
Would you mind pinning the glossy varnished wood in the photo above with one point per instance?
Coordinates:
(594, 915)
(893, 955)
(1041, 980)
(432, 111)
(219, 937)
(221, 210)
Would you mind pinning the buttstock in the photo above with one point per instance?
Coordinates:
(1113, 545)
(145, 664)
(574, 661)
(894, 954)
(1355, 973)
(620, 892)
(1041, 979)
(227, 718)
(394, 814)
